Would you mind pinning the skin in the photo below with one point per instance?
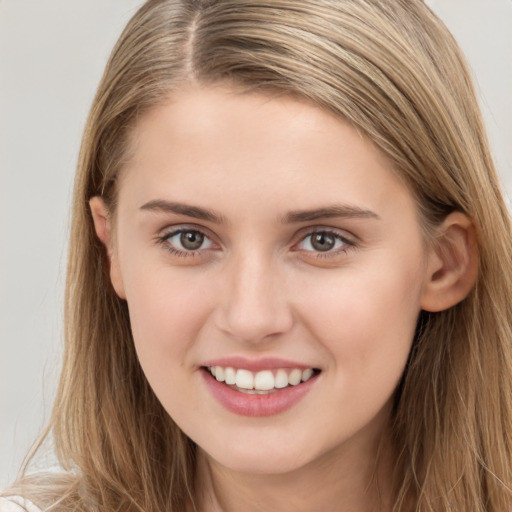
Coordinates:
(257, 287)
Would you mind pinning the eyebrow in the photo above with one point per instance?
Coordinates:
(161, 205)
(196, 212)
(329, 212)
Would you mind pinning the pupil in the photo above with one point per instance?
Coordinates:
(191, 240)
(322, 241)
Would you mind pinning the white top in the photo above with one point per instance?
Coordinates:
(17, 504)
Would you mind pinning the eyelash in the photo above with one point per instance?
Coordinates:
(164, 241)
(347, 244)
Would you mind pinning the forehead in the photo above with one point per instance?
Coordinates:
(244, 147)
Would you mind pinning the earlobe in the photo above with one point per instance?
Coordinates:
(103, 228)
(452, 264)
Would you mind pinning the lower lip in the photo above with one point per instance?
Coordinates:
(257, 405)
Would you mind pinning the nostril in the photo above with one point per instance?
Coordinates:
(251, 308)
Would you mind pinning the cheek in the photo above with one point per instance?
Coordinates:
(367, 327)
(167, 311)
(366, 319)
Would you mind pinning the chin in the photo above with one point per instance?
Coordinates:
(257, 455)
(260, 464)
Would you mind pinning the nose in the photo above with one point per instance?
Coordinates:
(254, 305)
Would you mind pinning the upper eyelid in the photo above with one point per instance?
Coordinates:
(341, 233)
(179, 228)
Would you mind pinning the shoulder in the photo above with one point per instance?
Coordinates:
(17, 504)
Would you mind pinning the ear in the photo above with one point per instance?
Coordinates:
(103, 228)
(452, 265)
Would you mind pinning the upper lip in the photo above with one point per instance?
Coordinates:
(256, 365)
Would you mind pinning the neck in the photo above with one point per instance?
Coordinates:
(351, 478)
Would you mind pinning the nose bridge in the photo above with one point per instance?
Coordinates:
(255, 305)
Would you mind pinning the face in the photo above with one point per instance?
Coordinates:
(266, 242)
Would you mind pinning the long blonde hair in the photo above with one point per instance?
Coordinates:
(391, 69)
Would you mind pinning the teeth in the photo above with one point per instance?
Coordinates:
(230, 376)
(281, 379)
(219, 373)
(262, 381)
(295, 377)
(244, 379)
(307, 374)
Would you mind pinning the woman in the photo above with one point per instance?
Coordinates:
(289, 282)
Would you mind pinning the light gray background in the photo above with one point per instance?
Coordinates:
(52, 53)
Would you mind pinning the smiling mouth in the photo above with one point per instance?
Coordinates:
(263, 382)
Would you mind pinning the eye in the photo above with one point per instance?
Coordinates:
(186, 242)
(324, 241)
